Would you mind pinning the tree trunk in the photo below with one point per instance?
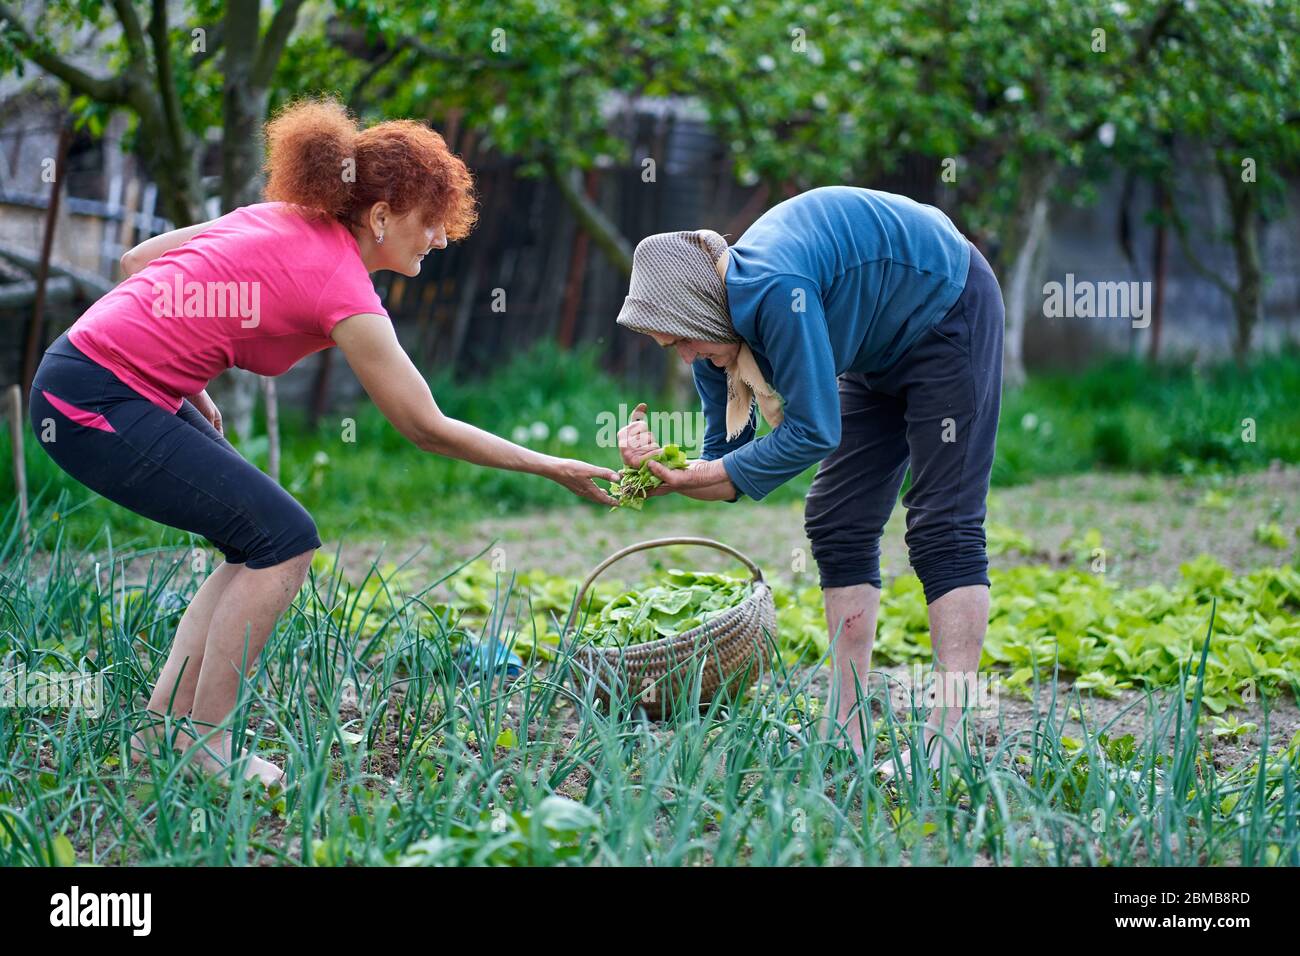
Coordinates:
(243, 112)
(1161, 269)
(34, 342)
(176, 172)
(592, 219)
(241, 153)
(1027, 233)
(1247, 299)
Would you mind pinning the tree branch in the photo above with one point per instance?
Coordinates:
(591, 217)
(271, 46)
(113, 89)
(133, 33)
(87, 284)
(20, 295)
(345, 38)
(385, 58)
(240, 24)
(215, 38)
(166, 76)
(1185, 247)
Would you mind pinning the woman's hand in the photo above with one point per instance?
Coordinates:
(208, 409)
(635, 441)
(702, 480)
(577, 477)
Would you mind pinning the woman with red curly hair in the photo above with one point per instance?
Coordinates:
(120, 400)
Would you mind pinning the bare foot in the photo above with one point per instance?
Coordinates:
(889, 771)
(933, 746)
(147, 740)
(213, 756)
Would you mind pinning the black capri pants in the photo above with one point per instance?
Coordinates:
(175, 469)
(936, 409)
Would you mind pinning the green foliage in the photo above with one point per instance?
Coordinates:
(394, 758)
(1166, 419)
(1042, 618)
(556, 831)
(1271, 534)
(1001, 539)
(1170, 418)
(634, 483)
(529, 77)
(1234, 71)
(684, 600)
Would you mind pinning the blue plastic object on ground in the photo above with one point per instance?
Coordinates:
(483, 659)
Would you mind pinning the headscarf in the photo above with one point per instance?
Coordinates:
(676, 290)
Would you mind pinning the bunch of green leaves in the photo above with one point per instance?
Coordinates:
(556, 830)
(634, 483)
(685, 600)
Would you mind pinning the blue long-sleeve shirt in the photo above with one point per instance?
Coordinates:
(836, 279)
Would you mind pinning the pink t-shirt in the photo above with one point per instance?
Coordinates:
(259, 289)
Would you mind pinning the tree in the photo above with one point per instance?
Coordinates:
(1227, 80)
(167, 77)
(1002, 98)
(144, 83)
(531, 78)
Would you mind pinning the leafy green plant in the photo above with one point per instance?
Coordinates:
(685, 601)
(1271, 534)
(1042, 618)
(634, 483)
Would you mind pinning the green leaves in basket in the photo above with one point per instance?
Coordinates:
(634, 483)
(686, 600)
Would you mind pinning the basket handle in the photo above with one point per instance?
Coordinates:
(659, 543)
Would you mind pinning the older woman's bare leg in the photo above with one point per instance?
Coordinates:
(959, 621)
(851, 614)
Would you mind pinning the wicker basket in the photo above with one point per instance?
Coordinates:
(727, 651)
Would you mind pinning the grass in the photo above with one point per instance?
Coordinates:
(394, 757)
(1121, 415)
(1126, 415)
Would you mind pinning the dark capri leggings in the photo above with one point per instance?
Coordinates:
(936, 409)
(174, 469)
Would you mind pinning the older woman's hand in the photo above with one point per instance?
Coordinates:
(702, 480)
(635, 441)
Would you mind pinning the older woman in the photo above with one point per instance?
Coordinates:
(869, 330)
(120, 400)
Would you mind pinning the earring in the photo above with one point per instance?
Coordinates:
(380, 239)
